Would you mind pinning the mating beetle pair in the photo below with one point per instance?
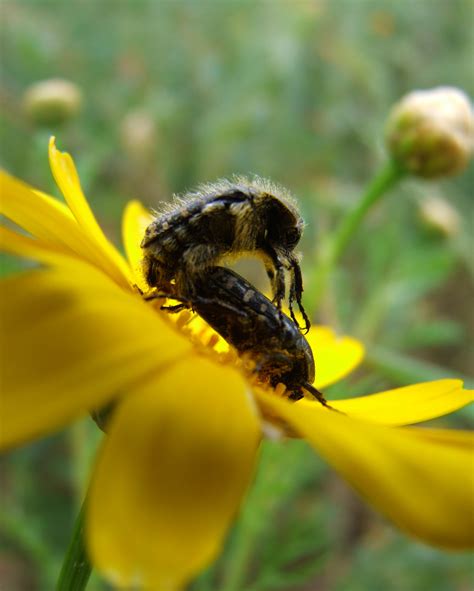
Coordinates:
(183, 246)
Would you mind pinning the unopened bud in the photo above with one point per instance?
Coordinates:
(439, 215)
(431, 132)
(138, 133)
(53, 101)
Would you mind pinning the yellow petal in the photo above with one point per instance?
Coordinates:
(70, 341)
(67, 179)
(334, 356)
(135, 221)
(41, 215)
(31, 248)
(52, 223)
(420, 479)
(452, 437)
(408, 405)
(177, 460)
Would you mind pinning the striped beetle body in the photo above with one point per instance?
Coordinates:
(249, 321)
(226, 219)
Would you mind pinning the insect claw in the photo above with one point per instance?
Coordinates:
(307, 322)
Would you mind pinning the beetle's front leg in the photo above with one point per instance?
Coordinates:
(296, 293)
(276, 273)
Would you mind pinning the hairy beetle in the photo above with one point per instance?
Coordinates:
(222, 220)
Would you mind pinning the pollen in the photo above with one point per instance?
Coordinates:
(280, 389)
(249, 364)
(213, 340)
(183, 319)
(230, 356)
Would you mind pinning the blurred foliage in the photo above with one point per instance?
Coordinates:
(176, 93)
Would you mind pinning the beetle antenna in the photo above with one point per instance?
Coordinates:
(318, 395)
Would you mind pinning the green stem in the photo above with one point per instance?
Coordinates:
(236, 572)
(386, 179)
(76, 568)
(390, 174)
(248, 531)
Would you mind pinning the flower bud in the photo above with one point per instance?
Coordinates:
(431, 132)
(438, 215)
(138, 133)
(53, 101)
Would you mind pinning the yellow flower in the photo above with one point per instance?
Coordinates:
(182, 443)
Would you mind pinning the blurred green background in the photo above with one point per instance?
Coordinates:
(175, 93)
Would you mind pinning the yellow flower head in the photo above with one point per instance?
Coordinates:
(182, 443)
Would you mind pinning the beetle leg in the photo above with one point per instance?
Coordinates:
(174, 309)
(278, 282)
(291, 299)
(269, 268)
(279, 286)
(159, 295)
(156, 295)
(296, 293)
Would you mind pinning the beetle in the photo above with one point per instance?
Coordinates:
(224, 220)
(251, 323)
